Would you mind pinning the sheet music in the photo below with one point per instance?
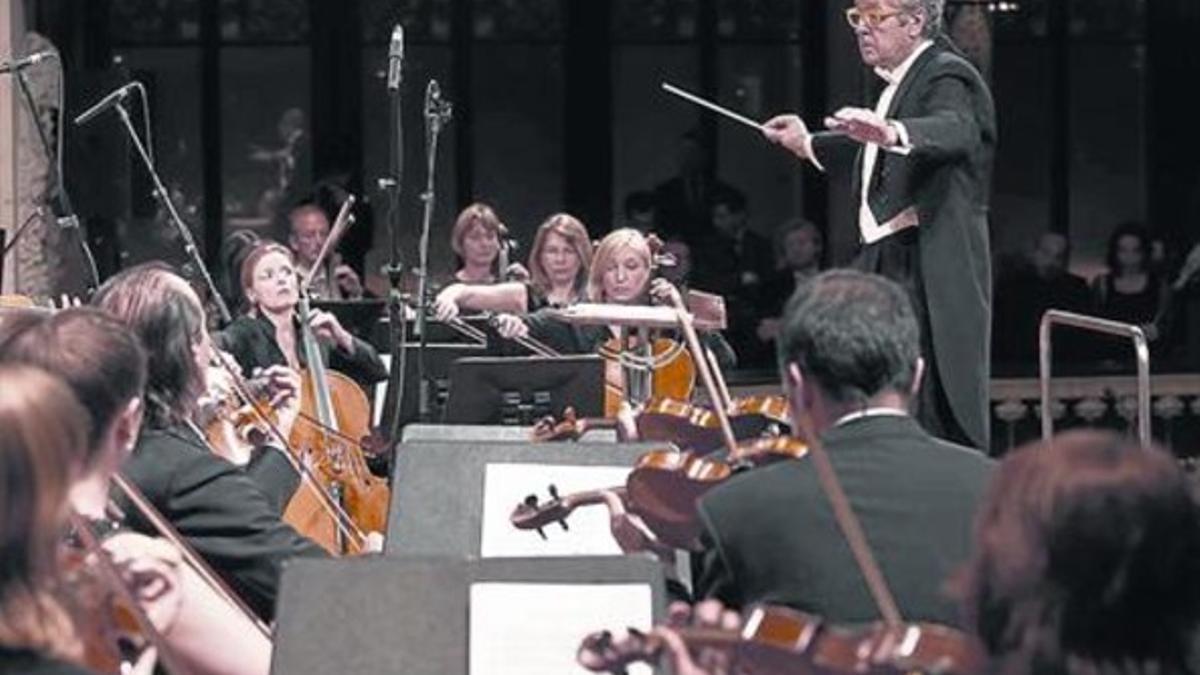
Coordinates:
(506, 485)
(536, 629)
(381, 391)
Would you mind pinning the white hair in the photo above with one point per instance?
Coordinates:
(932, 11)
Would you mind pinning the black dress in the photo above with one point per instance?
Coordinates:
(29, 662)
(251, 341)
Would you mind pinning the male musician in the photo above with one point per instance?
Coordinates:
(308, 229)
(921, 177)
(849, 354)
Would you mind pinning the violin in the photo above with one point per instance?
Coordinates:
(662, 489)
(114, 630)
(776, 639)
(698, 428)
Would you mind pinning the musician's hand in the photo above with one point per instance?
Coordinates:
(150, 567)
(627, 431)
(709, 614)
(347, 280)
(704, 614)
(282, 385)
(790, 132)
(328, 329)
(373, 543)
(517, 272)
(217, 383)
(863, 126)
(445, 305)
(663, 291)
(631, 532)
(510, 326)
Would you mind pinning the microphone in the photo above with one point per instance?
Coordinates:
(396, 58)
(105, 103)
(435, 107)
(25, 61)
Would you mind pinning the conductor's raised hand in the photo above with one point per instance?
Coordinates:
(863, 126)
(790, 132)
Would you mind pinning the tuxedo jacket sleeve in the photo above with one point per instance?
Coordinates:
(221, 513)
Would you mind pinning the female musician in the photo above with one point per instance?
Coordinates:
(621, 273)
(558, 262)
(220, 511)
(40, 424)
(1084, 560)
(104, 366)
(268, 335)
(475, 241)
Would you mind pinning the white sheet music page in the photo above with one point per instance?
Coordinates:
(506, 485)
(536, 629)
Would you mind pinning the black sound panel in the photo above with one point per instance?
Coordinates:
(412, 615)
(493, 433)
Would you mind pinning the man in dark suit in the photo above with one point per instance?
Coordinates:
(1024, 294)
(921, 180)
(850, 360)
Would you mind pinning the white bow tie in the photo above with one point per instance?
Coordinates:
(887, 76)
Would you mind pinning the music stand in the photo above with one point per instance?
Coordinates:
(523, 389)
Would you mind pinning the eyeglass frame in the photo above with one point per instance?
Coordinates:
(872, 23)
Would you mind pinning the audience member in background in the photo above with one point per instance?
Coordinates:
(640, 212)
(1085, 561)
(234, 249)
(683, 203)
(1041, 282)
(1129, 291)
(679, 271)
(308, 229)
(799, 246)
(733, 261)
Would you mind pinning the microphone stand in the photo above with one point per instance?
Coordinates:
(397, 338)
(160, 191)
(437, 113)
(56, 197)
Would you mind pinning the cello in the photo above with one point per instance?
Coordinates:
(333, 412)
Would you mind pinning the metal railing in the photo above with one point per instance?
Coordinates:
(1141, 350)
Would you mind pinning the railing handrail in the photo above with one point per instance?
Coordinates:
(1141, 349)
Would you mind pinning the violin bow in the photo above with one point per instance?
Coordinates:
(344, 220)
(850, 526)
